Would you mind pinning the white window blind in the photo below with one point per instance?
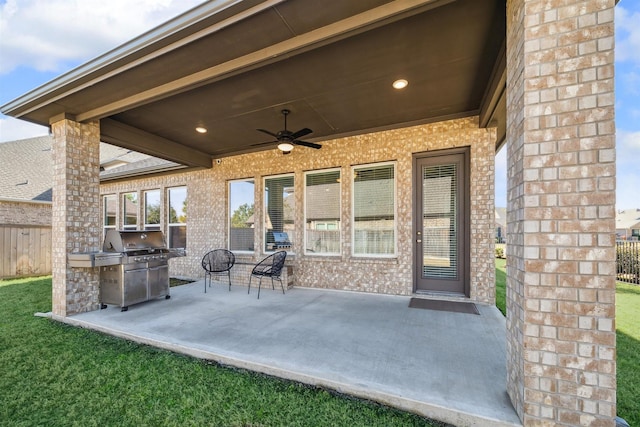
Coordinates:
(374, 210)
(439, 221)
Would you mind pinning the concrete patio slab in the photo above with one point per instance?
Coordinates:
(446, 366)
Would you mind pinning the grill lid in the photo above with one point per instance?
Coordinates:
(128, 241)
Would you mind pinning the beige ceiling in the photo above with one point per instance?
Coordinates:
(233, 66)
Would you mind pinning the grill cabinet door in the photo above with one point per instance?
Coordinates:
(158, 280)
(135, 286)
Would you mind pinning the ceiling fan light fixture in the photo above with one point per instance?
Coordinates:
(400, 84)
(285, 147)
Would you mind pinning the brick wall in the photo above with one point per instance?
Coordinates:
(561, 196)
(75, 216)
(25, 213)
(208, 216)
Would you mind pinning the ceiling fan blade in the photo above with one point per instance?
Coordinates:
(308, 144)
(301, 133)
(268, 133)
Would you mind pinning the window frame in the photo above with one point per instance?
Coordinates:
(146, 225)
(105, 226)
(124, 211)
(229, 215)
(340, 219)
(265, 212)
(168, 213)
(392, 163)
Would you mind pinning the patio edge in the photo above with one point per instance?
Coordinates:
(432, 411)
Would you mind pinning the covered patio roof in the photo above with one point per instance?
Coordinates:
(231, 66)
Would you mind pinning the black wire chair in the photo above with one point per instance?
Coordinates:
(218, 262)
(271, 267)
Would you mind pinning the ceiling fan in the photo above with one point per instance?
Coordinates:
(288, 139)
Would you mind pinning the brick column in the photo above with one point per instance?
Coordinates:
(75, 213)
(561, 212)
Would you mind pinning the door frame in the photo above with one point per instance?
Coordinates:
(466, 256)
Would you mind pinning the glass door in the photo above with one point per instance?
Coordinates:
(441, 224)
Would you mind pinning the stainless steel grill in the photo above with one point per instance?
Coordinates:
(133, 266)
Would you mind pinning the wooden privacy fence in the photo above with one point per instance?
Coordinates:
(25, 250)
(628, 261)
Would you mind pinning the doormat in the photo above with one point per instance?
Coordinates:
(453, 306)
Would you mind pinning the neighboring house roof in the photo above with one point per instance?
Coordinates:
(628, 219)
(144, 166)
(501, 218)
(113, 157)
(26, 167)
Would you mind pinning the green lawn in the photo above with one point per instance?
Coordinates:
(501, 285)
(628, 342)
(56, 375)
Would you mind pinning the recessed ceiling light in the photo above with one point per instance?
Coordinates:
(400, 84)
(201, 129)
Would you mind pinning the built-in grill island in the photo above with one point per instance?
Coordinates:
(133, 266)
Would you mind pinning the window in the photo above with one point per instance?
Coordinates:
(322, 212)
(152, 210)
(374, 211)
(177, 224)
(130, 211)
(279, 213)
(241, 219)
(109, 208)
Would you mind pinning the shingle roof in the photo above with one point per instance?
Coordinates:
(144, 166)
(26, 167)
(501, 217)
(628, 218)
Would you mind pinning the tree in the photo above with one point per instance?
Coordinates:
(174, 218)
(153, 213)
(241, 215)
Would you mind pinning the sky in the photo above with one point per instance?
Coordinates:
(42, 39)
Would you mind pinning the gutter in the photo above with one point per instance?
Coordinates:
(141, 172)
(35, 202)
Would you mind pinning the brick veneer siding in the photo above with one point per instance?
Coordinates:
(25, 213)
(75, 214)
(208, 210)
(561, 195)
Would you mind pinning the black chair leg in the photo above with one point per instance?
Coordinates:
(229, 274)
(259, 286)
(281, 285)
(205, 283)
